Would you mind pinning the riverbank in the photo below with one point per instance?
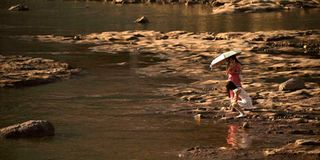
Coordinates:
(21, 71)
(269, 59)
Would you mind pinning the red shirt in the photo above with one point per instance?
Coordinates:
(234, 74)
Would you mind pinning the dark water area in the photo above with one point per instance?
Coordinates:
(108, 111)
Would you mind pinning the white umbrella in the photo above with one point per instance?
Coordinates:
(223, 57)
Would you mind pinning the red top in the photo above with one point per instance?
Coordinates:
(234, 74)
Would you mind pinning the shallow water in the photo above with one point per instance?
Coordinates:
(108, 111)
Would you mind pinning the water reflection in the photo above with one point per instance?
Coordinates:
(67, 18)
(237, 137)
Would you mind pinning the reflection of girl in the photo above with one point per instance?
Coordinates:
(233, 71)
(238, 138)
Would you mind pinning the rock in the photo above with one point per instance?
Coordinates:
(19, 7)
(292, 85)
(142, 20)
(300, 149)
(20, 71)
(31, 128)
(307, 142)
(247, 6)
(260, 5)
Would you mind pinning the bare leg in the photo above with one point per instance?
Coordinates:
(237, 107)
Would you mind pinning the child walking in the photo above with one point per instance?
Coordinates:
(233, 72)
(240, 98)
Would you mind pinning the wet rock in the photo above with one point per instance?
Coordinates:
(142, 20)
(292, 85)
(32, 128)
(20, 71)
(19, 7)
(300, 149)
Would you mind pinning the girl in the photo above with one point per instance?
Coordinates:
(240, 99)
(233, 71)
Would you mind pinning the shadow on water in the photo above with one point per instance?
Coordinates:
(238, 138)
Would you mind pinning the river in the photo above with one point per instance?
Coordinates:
(108, 111)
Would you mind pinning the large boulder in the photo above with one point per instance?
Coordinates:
(31, 128)
(292, 85)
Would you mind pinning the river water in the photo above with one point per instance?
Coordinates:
(108, 111)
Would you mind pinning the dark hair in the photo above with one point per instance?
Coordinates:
(230, 86)
(235, 59)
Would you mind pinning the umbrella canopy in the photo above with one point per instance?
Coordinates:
(223, 57)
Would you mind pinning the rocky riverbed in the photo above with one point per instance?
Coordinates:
(280, 72)
(20, 71)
